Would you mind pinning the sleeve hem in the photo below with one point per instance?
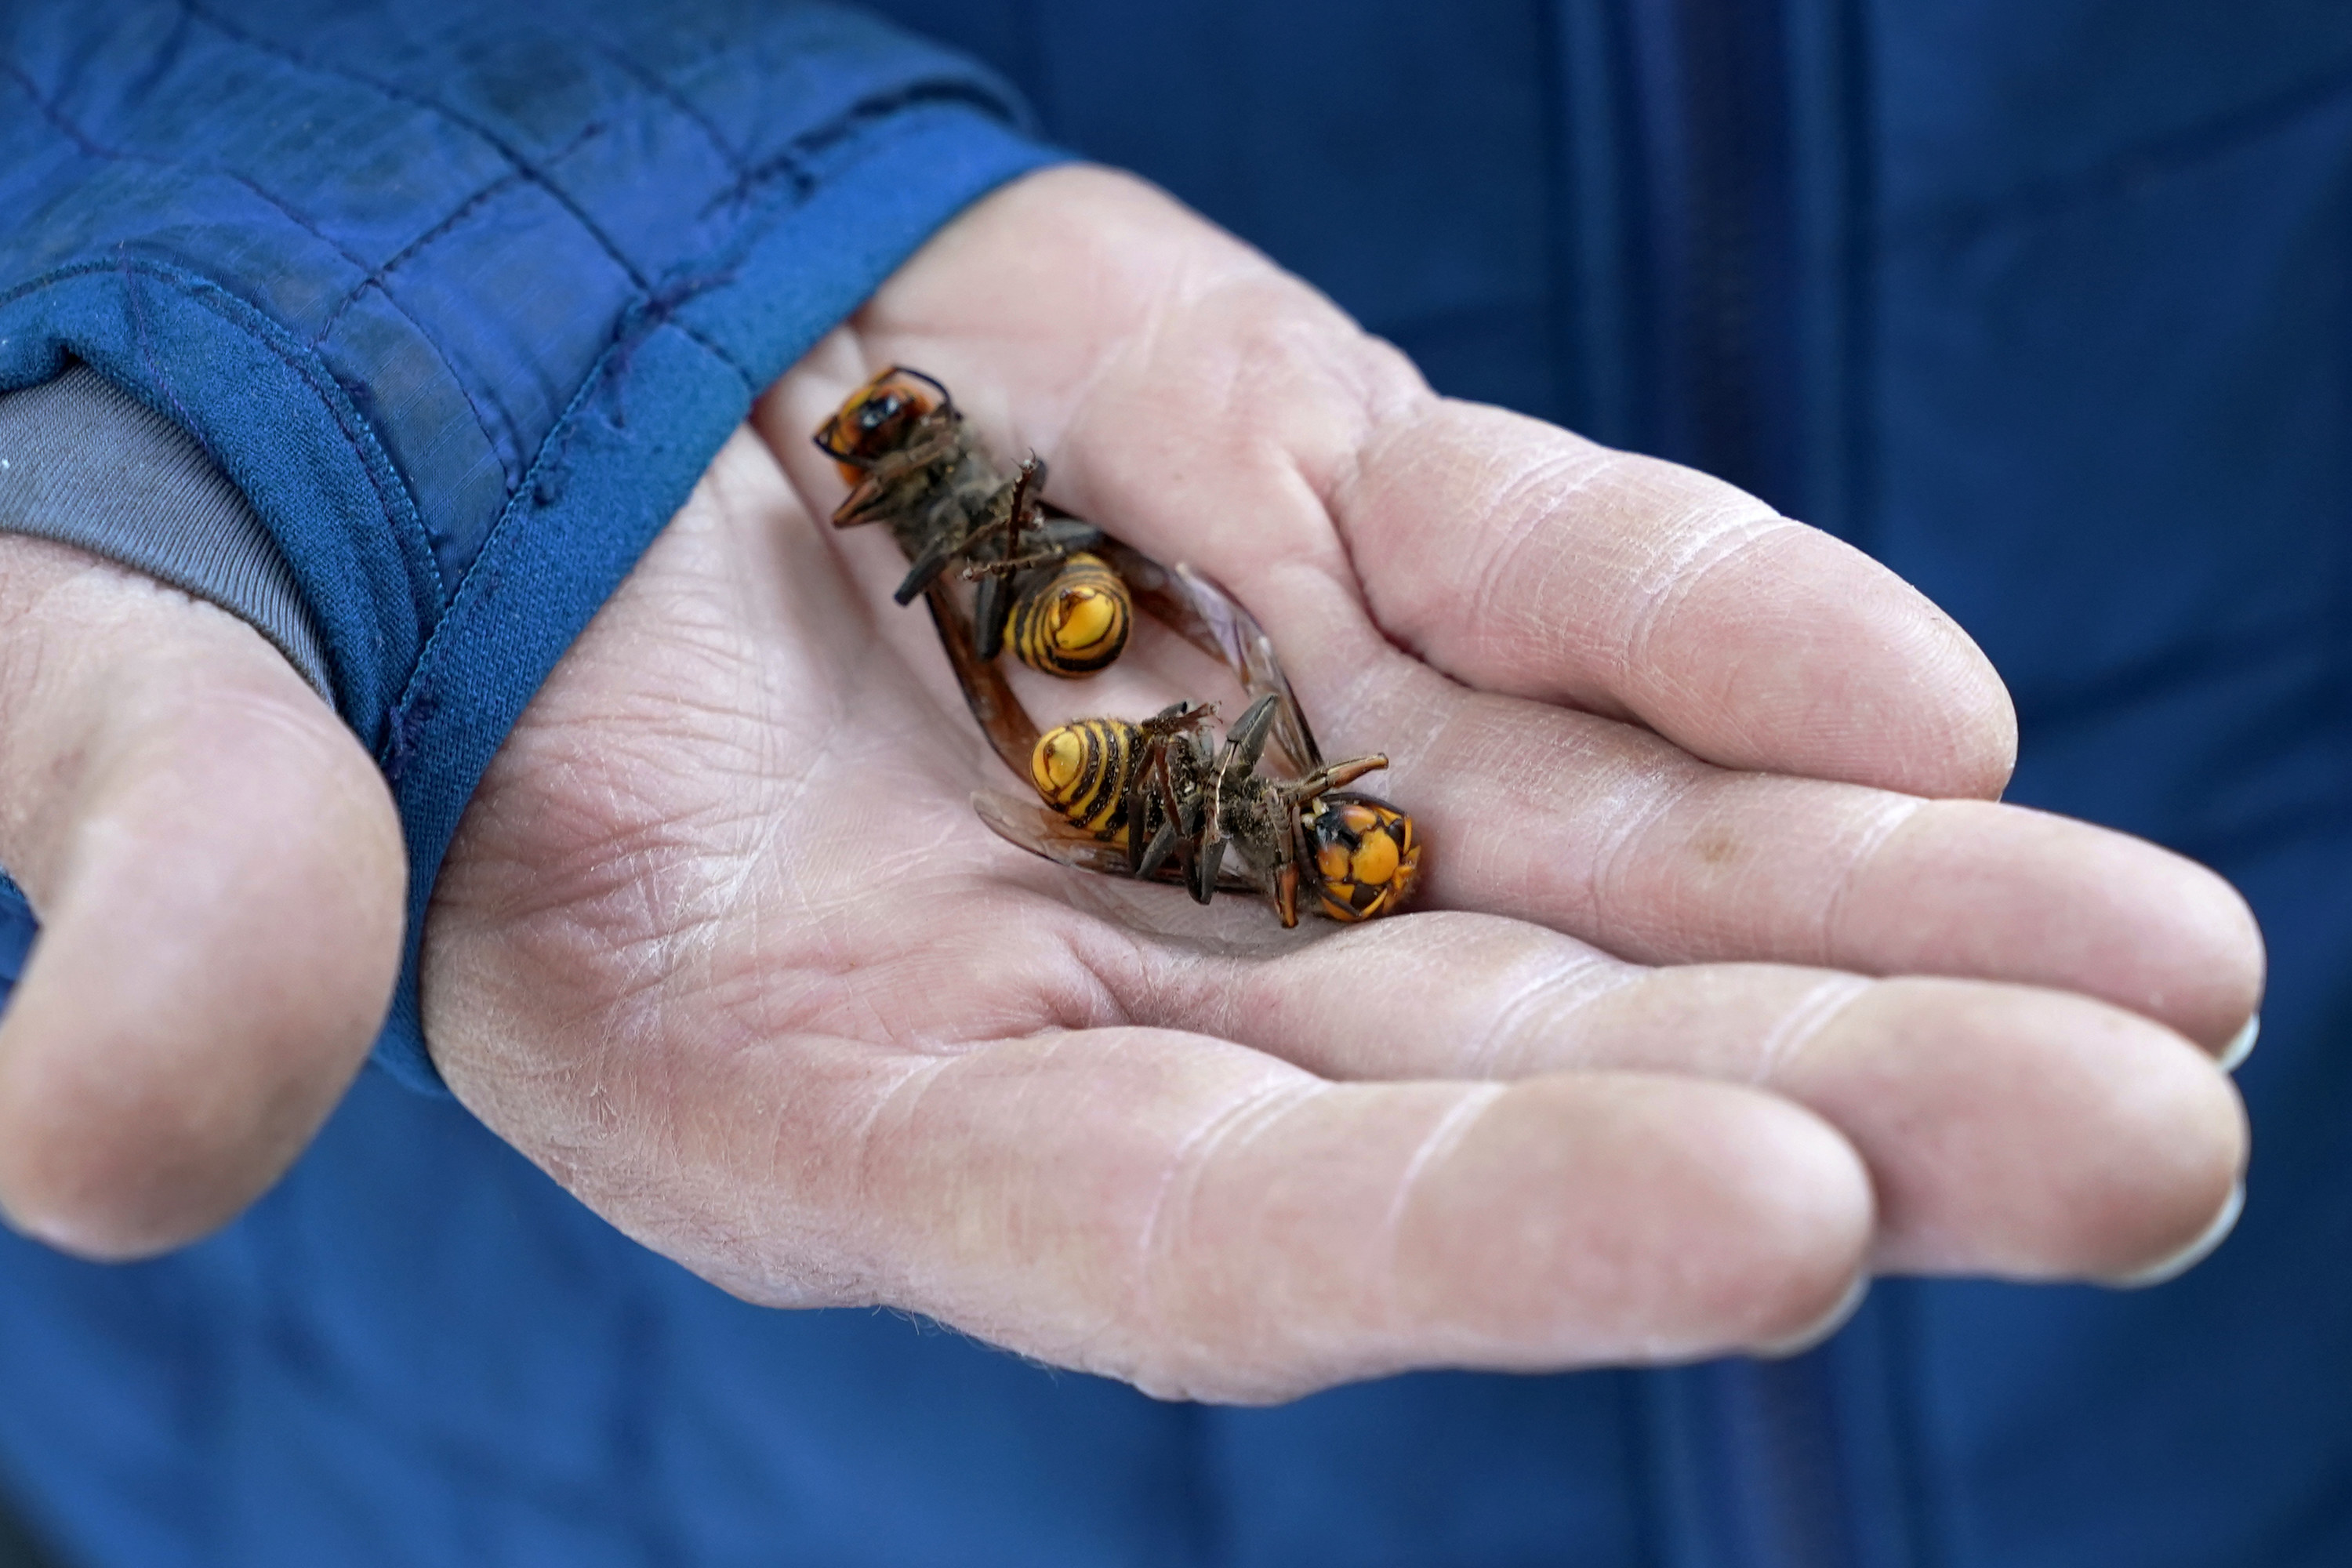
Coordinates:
(83, 463)
(634, 443)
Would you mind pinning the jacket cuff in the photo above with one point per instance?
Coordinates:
(535, 587)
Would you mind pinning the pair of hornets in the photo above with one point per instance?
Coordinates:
(1161, 798)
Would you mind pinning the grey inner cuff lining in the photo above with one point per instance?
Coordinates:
(84, 463)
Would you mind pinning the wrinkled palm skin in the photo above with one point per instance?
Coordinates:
(1726, 983)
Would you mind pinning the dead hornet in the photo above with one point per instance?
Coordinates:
(1182, 802)
(911, 462)
(1161, 800)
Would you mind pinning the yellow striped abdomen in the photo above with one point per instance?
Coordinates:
(1073, 622)
(1081, 770)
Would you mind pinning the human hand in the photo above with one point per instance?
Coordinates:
(219, 874)
(721, 945)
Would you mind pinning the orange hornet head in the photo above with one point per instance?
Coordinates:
(878, 417)
(1366, 854)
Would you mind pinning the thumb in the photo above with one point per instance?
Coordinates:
(218, 872)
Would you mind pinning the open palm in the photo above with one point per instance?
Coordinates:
(722, 946)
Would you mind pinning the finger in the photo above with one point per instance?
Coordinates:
(1208, 1223)
(1520, 559)
(218, 873)
(2008, 1131)
(1607, 833)
(1207, 407)
(1604, 832)
(1601, 830)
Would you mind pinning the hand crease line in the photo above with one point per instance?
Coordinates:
(1891, 815)
(1563, 993)
(1440, 1141)
(1626, 840)
(1804, 1023)
(1673, 579)
(1262, 1104)
(921, 1073)
(1540, 498)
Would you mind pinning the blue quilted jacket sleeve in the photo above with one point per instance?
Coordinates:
(463, 297)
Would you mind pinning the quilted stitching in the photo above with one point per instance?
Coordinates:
(524, 167)
(512, 405)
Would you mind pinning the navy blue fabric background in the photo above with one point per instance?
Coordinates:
(2045, 304)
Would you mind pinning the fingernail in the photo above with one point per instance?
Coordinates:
(1798, 1344)
(2242, 1047)
(2189, 1257)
